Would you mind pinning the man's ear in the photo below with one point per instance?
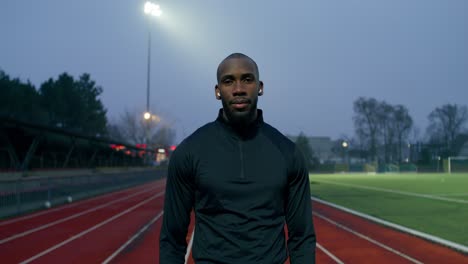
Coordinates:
(217, 93)
(260, 88)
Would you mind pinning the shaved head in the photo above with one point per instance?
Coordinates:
(236, 56)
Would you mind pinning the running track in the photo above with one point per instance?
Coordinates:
(123, 227)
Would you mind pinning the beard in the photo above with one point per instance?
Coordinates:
(240, 117)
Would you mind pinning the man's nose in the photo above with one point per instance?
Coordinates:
(238, 88)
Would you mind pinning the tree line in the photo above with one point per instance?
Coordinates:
(383, 130)
(385, 133)
(74, 104)
(65, 102)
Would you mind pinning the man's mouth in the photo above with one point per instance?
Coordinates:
(240, 103)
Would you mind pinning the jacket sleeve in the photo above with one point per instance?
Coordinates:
(178, 204)
(302, 239)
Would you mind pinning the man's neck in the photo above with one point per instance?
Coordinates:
(244, 123)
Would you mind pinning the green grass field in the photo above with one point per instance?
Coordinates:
(436, 204)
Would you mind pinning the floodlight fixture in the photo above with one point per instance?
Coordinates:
(344, 144)
(147, 115)
(152, 9)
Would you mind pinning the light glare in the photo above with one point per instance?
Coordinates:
(152, 9)
(147, 115)
(155, 118)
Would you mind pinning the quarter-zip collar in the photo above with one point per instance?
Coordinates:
(242, 132)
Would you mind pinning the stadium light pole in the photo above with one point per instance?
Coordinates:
(153, 10)
(345, 146)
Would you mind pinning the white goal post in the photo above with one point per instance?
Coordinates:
(451, 159)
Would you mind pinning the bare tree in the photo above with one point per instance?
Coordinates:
(164, 136)
(366, 122)
(379, 124)
(132, 128)
(402, 125)
(446, 123)
(386, 121)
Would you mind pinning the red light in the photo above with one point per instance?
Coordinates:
(173, 147)
(117, 147)
(142, 146)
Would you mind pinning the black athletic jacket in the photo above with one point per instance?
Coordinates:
(244, 186)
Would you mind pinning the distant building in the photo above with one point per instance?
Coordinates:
(322, 147)
(464, 150)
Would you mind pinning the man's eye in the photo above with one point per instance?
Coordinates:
(227, 81)
(248, 79)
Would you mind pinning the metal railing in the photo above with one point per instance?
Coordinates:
(24, 195)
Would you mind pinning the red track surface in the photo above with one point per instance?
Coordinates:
(123, 227)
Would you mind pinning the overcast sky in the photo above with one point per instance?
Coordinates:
(315, 57)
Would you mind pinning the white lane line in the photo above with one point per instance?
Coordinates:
(375, 242)
(420, 195)
(335, 258)
(42, 227)
(407, 230)
(90, 229)
(67, 206)
(452, 194)
(139, 233)
(189, 247)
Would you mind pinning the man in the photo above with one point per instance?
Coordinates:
(243, 179)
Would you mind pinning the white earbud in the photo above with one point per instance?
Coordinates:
(219, 95)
